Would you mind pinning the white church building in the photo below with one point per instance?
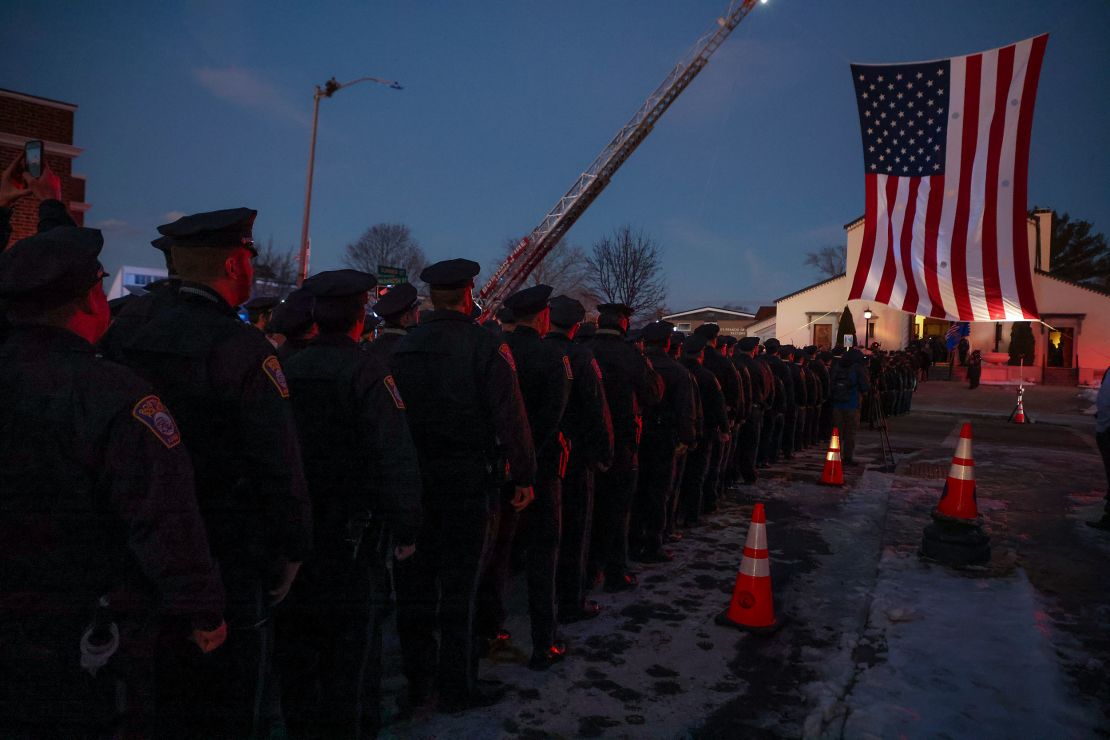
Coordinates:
(1072, 338)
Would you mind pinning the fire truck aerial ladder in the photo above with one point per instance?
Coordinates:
(532, 249)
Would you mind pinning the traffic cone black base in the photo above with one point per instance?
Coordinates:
(955, 544)
(723, 620)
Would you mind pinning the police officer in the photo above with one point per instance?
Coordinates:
(668, 432)
(365, 488)
(631, 384)
(729, 379)
(292, 319)
(770, 438)
(259, 309)
(99, 517)
(748, 447)
(142, 308)
(789, 404)
(468, 422)
(790, 356)
(221, 379)
(398, 309)
(546, 376)
(588, 427)
(714, 427)
(741, 444)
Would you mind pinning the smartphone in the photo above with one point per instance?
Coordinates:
(32, 157)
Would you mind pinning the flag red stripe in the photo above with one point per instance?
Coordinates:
(890, 267)
(1026, 296)
(932, 229)
(966, 154)
(867, 250)
(992, 283)
(909, 304)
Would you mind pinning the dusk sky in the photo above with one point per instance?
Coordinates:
(196, 106)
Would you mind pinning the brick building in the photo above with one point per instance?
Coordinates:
(24, 117)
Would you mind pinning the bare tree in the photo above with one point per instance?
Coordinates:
(625, 268)
(565, 269)
(391, 245)
(275, 270)
(829, 261)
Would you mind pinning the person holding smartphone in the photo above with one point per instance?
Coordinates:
(19, 180)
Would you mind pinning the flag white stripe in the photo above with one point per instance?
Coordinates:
(952, 167)
(917, 249)
(975, 286)
(898, 218)
(878, 259)
(1006, 171)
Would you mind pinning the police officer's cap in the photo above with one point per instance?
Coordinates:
(811, 350)
(658, 332)
(566, 311)
(162, 243)
(293, 316)
(529, 301)
(231, 227)
(747, 344)
(694, 343)
(728, 340)
(339, 283)
(505, 315)
(397, 300)
(788, 349)
(772, 345)
(709, 330)
(262, 303)
(677, 337)
(449, 274)
(52, 268)
(615, 308)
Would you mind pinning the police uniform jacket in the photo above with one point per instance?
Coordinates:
(755, 372)
(228, 391)
(783, 375)
(290, 348)
(465, 411)
(358, 454)
(545, 376)
(96, 495)
(586, 421)
(798, 378)
(136, 314)
(384, 344)
(729, 379)
(673, 418)
(712, 399)
(631, 384)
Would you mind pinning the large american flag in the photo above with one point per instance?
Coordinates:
(946, 155)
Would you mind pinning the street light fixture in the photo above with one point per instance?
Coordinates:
(867, 326)
(331, 87)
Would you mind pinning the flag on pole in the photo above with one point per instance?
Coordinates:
(955, 333)
(946, 156)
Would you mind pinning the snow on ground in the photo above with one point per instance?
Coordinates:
(966, 657)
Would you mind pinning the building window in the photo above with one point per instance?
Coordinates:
(141, 279)
(683, 327)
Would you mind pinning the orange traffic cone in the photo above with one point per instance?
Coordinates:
(833, 474)
(955, 536)
(1019, 412)
(752, 607)
(958, 499)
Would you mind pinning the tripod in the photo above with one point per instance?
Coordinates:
(1020, 398)
(877, 419)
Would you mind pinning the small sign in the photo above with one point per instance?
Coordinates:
(392, 275)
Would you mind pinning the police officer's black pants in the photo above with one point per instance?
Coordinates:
(712, 475)
(613, 492)
(649, 510)
(693, 483)
(789, 425)
(329, 643)
(538, 529)
(231, 692)
(772, 426)
(436, 588)
(574, 549)
(673, 497)
(748, 447)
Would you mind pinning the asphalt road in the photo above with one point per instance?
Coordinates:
(876, 642)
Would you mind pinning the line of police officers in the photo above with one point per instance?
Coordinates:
(201, 535)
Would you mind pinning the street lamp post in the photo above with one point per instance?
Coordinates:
(330, 88)
(867, 326)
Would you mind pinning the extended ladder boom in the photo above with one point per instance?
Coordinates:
(532, 249)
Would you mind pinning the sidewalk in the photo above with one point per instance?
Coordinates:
(1043, 404)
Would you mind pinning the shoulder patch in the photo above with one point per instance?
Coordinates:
(272, 367)
(597, 368)
(157, 418)
(566, 366)
(507, 355)
(391, 386)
